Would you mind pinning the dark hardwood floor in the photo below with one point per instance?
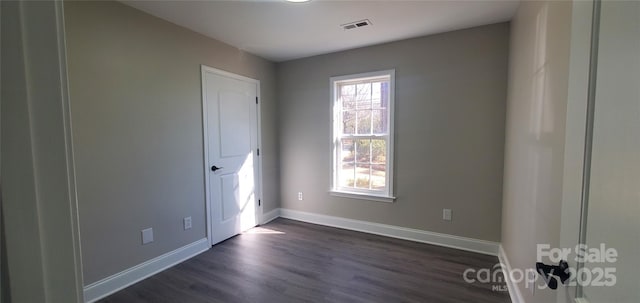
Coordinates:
(291, 261)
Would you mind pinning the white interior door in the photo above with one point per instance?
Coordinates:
(612, 206)
(601, 209)
(231, 138)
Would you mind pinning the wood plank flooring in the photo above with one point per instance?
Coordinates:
(291, 261)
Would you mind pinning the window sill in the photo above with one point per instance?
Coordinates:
(362, 196)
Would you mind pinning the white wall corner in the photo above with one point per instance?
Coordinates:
(270, 216)
(514, 291)
(463, 243)
(100, 289)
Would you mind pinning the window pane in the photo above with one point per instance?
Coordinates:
(375, 94)
(363, 91)
(348, 102)
(346, 176)
(363, 176)
(346, 150)
(364, 122)
(363, 152)
(347, 165)
(363, 96)
(378, 176)
(349, 122)
(378, 151)
(347, 90)
(379, 121)
(347, 95)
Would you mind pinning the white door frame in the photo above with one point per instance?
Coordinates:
(258, 190)
(575, 130)
(43, 209)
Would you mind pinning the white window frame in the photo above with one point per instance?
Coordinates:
(336, 117)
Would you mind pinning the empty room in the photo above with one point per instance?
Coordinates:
(320, 151)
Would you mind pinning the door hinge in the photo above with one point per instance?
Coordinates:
(256, 100)
(259, 202)
(258, 152)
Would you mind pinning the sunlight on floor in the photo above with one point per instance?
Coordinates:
(263, 231)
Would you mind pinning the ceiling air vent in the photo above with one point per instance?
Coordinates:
(356, 24)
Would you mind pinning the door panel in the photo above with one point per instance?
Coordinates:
(613, 205)
(230, 196)
(232, 141)
(606, 108)
(235, 124)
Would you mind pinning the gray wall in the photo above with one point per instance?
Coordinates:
(535, 137)
(450, 111)
(137, 129)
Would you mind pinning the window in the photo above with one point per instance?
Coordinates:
(363, 135)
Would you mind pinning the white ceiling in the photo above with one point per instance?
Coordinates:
(280, 31)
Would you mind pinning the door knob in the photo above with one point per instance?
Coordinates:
(548, 271)
(214, 168)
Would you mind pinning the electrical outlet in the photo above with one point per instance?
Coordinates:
(446, 214)
(300, 195)
(147, 236)
(187, 223)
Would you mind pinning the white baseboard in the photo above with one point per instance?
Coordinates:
(270, 216)
(109, 285)
(514, 291)
(463, 243)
